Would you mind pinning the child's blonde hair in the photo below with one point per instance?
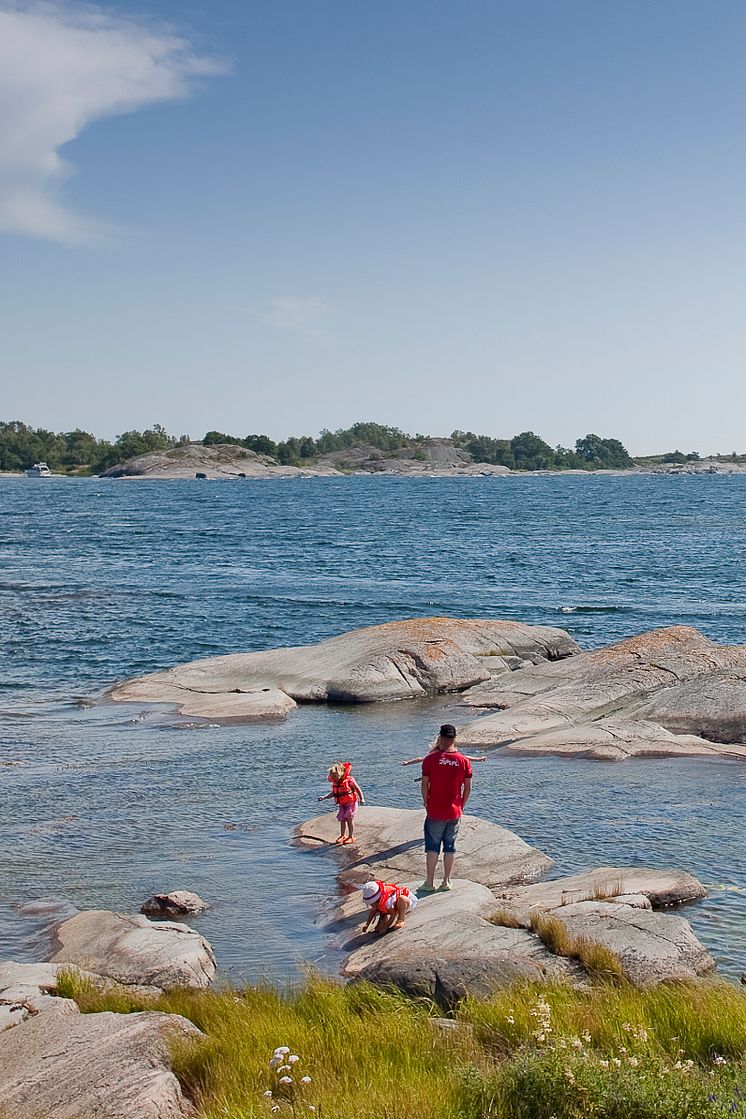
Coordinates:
(337, 771)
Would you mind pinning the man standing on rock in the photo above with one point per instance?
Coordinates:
(446, 785)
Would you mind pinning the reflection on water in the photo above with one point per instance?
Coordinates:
(103, 806)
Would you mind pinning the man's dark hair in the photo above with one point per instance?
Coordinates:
(448, 731)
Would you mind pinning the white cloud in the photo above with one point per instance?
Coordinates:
(63, 66)
(296, 314)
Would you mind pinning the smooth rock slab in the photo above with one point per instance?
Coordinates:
(651, 947)
(93, 1066)
(658, 887)
(665, 693)
(448, 948)
(177, 903)
(134, 950)
(398, 660)
(390, 844)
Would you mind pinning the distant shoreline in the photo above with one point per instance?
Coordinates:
(721, 469)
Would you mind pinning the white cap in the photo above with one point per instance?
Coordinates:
(371, 891)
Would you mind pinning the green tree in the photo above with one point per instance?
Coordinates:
(212, 438)
(531, 452)
(260, 445)
(598, 453)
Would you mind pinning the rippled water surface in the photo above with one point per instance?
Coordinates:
(103, 580)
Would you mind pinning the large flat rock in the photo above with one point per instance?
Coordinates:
(390, 844)
(398, 660)
(671, 692)
(448, 948)
(92, 1066)
(133, 950)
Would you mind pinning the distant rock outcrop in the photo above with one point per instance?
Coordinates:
(431, 456)
(670, 692)
(219, 460)
(398, 660)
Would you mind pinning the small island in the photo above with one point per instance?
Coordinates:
(364, 448)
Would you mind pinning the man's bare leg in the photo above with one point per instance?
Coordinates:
(448, 858)
(431, 862)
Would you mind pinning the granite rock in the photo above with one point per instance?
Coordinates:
(390, 845)
(397, 660)
(133, 950)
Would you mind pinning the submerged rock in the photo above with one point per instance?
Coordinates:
(134, 950)
(666, 693)
(398, 660)
(390, 844)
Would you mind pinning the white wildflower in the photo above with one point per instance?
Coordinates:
(275, 1107)
(286, 1080)
(275, 1062)
(576, 1043)
(718, 1060)
(305, 1079)
(632, 1062)
(603, 1064)
(268, 1095)
(616, 1062)
(284, 1068)
(293, 1058)
(281, 1050)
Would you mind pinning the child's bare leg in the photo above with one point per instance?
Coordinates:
(400, 913)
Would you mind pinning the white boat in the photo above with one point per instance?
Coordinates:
(39, 470)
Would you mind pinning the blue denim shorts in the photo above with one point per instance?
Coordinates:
(441, 833)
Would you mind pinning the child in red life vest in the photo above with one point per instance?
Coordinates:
(389, 903)
(346, 793)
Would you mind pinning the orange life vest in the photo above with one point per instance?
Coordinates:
(388, 889)
(343, 790)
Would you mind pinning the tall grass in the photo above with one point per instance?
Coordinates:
(534, 1052)
(599, 961)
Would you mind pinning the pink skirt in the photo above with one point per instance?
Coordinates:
(346, 811)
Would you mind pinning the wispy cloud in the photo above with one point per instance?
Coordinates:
(63, 66)
(296, 315)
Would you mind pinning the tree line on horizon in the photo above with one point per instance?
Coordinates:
(80, 451)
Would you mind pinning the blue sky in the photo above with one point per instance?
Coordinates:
(292, 214)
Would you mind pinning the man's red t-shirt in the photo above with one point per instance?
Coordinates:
(447, 770)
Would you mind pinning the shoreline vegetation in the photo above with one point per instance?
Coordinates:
(363, 448)
(529, 1052)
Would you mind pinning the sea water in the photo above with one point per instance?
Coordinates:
(101, 580)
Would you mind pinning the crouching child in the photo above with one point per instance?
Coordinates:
(389, 903)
